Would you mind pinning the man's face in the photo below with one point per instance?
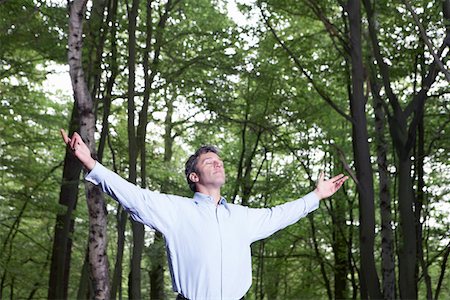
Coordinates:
(210, 170)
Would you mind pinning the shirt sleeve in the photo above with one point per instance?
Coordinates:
(263, 222)
(150, 208)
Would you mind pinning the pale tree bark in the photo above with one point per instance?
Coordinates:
(98, 260)
(60, 265)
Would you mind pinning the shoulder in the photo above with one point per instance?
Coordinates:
(237, 207)
(169, 197)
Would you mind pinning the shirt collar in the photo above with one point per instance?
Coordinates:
(208, 199)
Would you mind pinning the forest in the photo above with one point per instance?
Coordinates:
(284, 89)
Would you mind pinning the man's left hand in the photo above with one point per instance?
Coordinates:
(326, 188)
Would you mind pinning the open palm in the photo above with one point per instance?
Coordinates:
(326, 188)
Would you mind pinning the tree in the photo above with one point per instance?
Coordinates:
(98, 259)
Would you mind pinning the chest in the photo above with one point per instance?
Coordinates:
(211, 229)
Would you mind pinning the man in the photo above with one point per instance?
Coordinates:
(207, 239)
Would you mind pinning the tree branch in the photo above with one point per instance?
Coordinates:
(427, 40)
(303, 69)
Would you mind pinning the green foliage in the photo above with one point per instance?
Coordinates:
(233, 87)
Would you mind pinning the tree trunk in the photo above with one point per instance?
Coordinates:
(85, 285)
(319, 256)
(157, 250)
(370, 286)
(134, 284)
(112, 16)
(98, 260)
(420, 200)
(95, 41)
(442, 272)
(340, 248)
(117, 275)
(403, 134)
(387, 235)
(407, 252)
(64, 228)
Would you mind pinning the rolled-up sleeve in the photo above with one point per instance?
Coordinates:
(263, 222)
(150, 208)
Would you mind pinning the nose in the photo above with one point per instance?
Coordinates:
(218, 164)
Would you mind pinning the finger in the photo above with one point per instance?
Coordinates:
(76, 140)
(75, 134)
(73, 140)
(335, 178)
(341, 181)
(64, 136)
(79, 140)
(321, 176)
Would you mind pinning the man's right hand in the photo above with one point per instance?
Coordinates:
(79, 149)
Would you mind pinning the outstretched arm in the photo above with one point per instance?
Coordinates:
(265, 221)
(151, 208)
(79, 149)
(326, 188)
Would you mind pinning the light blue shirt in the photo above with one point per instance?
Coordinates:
(208, 246)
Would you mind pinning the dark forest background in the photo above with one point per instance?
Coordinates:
(291, 88)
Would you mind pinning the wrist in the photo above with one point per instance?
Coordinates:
(319, 195)
(90, 164)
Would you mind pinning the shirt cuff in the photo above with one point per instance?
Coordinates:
(96, 174)
(312, 201)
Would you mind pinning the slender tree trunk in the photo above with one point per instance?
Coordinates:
(134, 283)
(387, 235)
(407, 252)
(62, 242)
(95, 42)
(352, 265)
(85, 285)
(112, 16)
(117, 275)
(259, 284)
(319, 256)
(370, 286)
(420, 200)
(340, 249)
(98, 259)
(442, 273)
(157, 250)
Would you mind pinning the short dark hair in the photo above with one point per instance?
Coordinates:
(191, 163)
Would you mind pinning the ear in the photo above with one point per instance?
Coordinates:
(193, 177)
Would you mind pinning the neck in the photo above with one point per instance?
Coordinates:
(213, 192)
